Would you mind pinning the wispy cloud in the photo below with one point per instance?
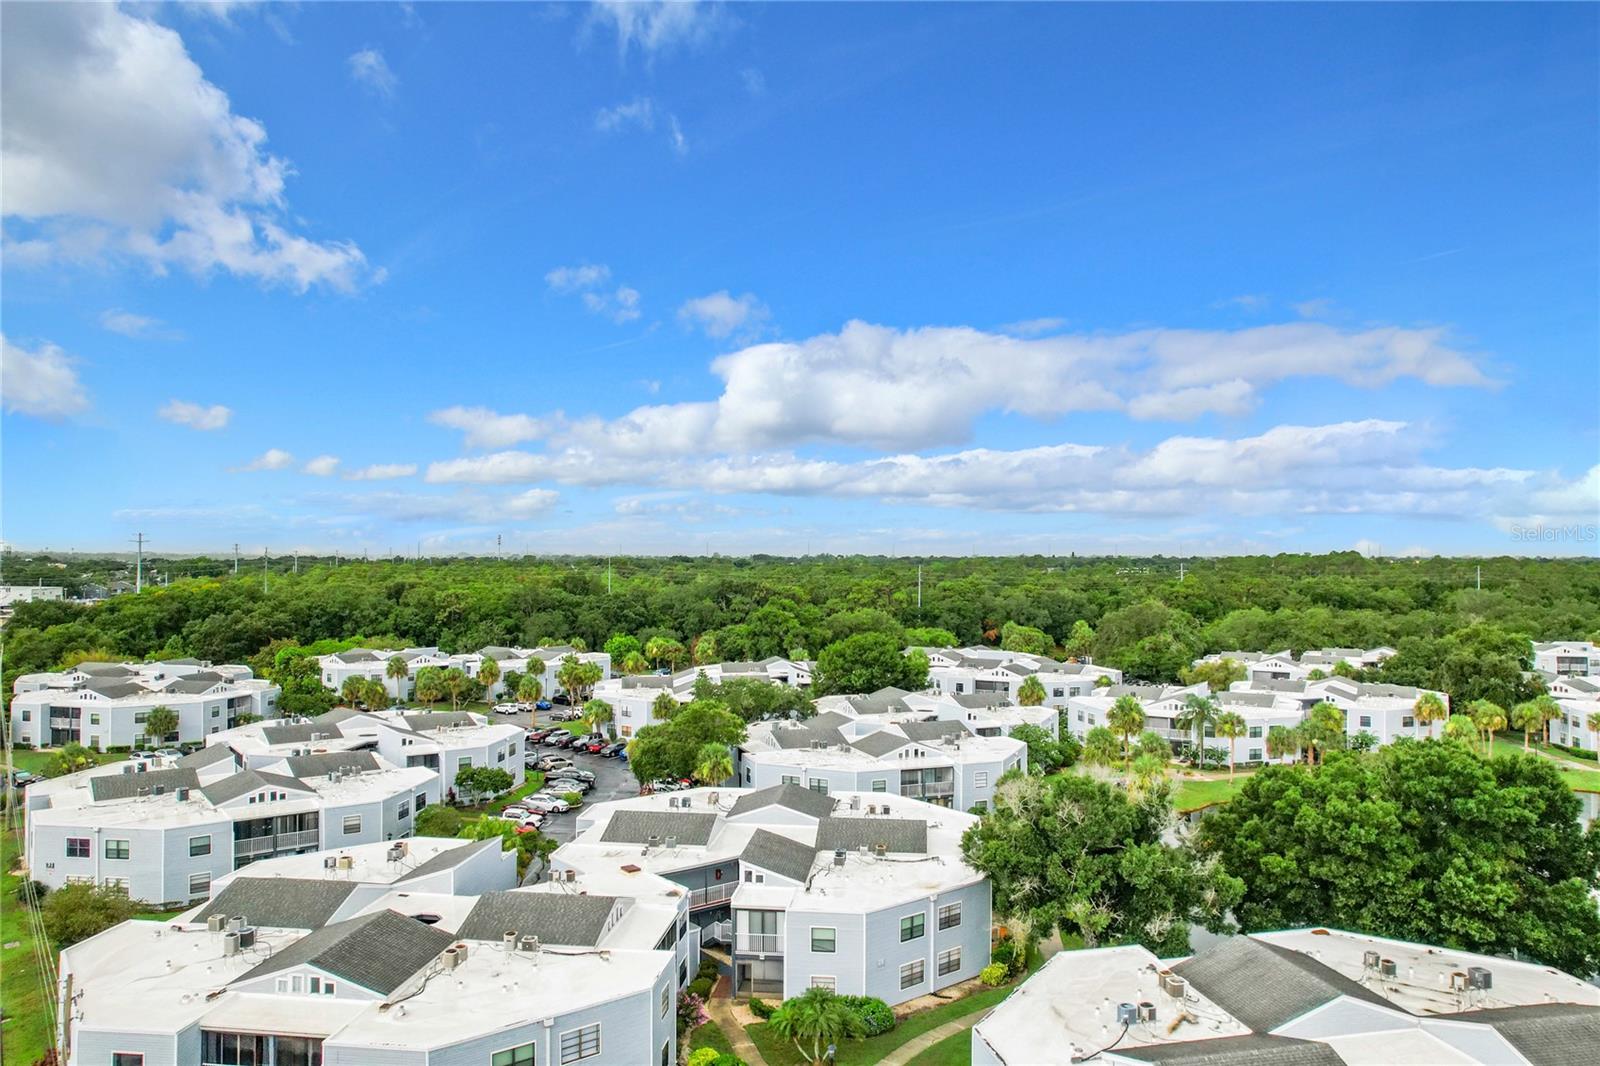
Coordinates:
(371, 71)
(271, 459)
(196, 416)
(321, 466)
(657, 26)
(642, 113)
(591, 283)
(720, 314)
(382, 472)
(138, 326)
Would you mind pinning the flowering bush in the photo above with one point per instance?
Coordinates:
(691, 1012)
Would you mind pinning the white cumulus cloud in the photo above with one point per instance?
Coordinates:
(196, 416)
(721, 314)
(483, 428)
(271, 459)
(321, 466)
(382, 472)
(41, 381)
(115, 145)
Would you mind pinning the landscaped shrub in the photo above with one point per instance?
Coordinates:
(708, 968)
(700, 986)
(1003, 952)
(761, 1008)
(1578, 752)
(710, 1056)
(993, 974)
(691, 1012)
(876, 1017)
(32, 893)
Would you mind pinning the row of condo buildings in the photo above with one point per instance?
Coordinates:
(427, 950)
(373, 665)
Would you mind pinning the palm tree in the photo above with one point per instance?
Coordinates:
(456, 683)
(1126, 719)
(1198, 712)
(1549, 711)
(1593, 722)
(160, 723)
(352, 690)
(1487, 716)
(817, 1017)
(1031, 692)
(1323, 729)
(1460, 727)
(1231, 726)
(1527, 716)
(1283, 740)
(569, 677)
(374, 697)
(1148, 770)
(663, 707)
(596, 713)
(713, 764)
(1428, 709)
(634, 663)
(1100, 747)
(397, 671)
(488, 675)
(530, 689)
(429, 687)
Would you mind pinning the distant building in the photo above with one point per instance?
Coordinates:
(373, 665)
(991, 671)
(11, 595)
(1286, 666)
(163, 830)
(860, 893)
(106, 705)
(632, 696)
(1304, 997)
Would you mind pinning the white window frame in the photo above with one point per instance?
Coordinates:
(947, 956)
(823, 980)
(126, 849)
(904, 918)
(951, 910)
(599, 1047)
(834, 950)
(920, 967)
(193, 854)
(980, 779)
(346, 824)
(529, 1044)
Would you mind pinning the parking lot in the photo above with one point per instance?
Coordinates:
(612, 778)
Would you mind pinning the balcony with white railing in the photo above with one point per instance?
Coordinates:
(711, 896)
(760, 944)
(260, 847)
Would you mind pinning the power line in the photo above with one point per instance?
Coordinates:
(236, 559)
(138, 574)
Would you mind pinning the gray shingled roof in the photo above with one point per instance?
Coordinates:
(831, 718)
(1265, 986)
(780, 854)
(208, 756)
(328, 762)
(379, 951)
(927, 732)
(106, 669)
(249, 781)
(884, 701)
(880, 743)
(127, 786)
(189, 686)
(897, 834)
(299, 734)
(1247, 699)
(801, 736)
(803, 800)
(449, 859)
(1551, 1034)
(358, 655)
(437, 720)
(497, 653)
(1238, 1051)
(281, 902)
(554, 917)
(637, 827)
(981, 700)
(114, 690)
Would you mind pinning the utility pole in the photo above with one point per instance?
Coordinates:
(1181, 572)
(919, 586)
(1480, 578)
(297, 560)
(138, 573)
(263, 568)
(497, 550)
(235, 559)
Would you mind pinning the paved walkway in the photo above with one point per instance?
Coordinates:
(721, 1008)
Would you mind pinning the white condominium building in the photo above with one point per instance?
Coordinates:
(1302, 997)
(106, 705)
(164, 830)
(941, 761)
(632, 696)
(379, 961)
(1286, 666)
(985, 714)
(980, 670)
(1569, 658)
(373, 665)
(446, 742)
(855, 892)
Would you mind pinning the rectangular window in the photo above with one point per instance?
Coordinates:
(116, 849)
(578, 1044)
(1255, 732)
(666, 999)
(787, 779)
(352, 824)
(1057, 693)
(1408, 722)
(77, 847)
(880, 785)
(464, 764)
(823, 938)
(817, 784)
(911, 974)
(820, 981)
(127, 1058)
(422, 800)
(980, 779)
(200, 884)
(912, 926)
(1366, 721)
(94, 719)
(199, 846)
(404, 810)
(949, 916)
(316, 986)
(1254, 755)
(949, 961)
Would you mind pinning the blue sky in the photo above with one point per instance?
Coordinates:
(687, 277)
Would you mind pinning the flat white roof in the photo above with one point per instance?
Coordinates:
(369, 863)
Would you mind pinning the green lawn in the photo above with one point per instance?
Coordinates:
(26, 1034)
(867, 1052)
(1189, 794)
(710, 1035)
(953, 1050)
(531, 783)
(1579, 780)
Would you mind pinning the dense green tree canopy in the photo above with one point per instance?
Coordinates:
(673, 749)
(1420, 841)
(867, 662)
(1074, 854)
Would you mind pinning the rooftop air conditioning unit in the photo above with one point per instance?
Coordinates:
(508, 939)
(247, 937)
(461, 949)
(672, 842)
(1127, 1013)
(329, 862)
(572, 875)
(143, 791)
(838, 856)
(880, 849)
(528, 944)
(1147, 1011)
(450, 958)
(1458, 981)
(230, 943)
(216, 923)
(1369, 960)
(1174, 986)
(127, 769)
(872, 808)
(347, 862)
(855, 803)
(1480, 977)
(1387, 968)
(396, 853)
(183, 793)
